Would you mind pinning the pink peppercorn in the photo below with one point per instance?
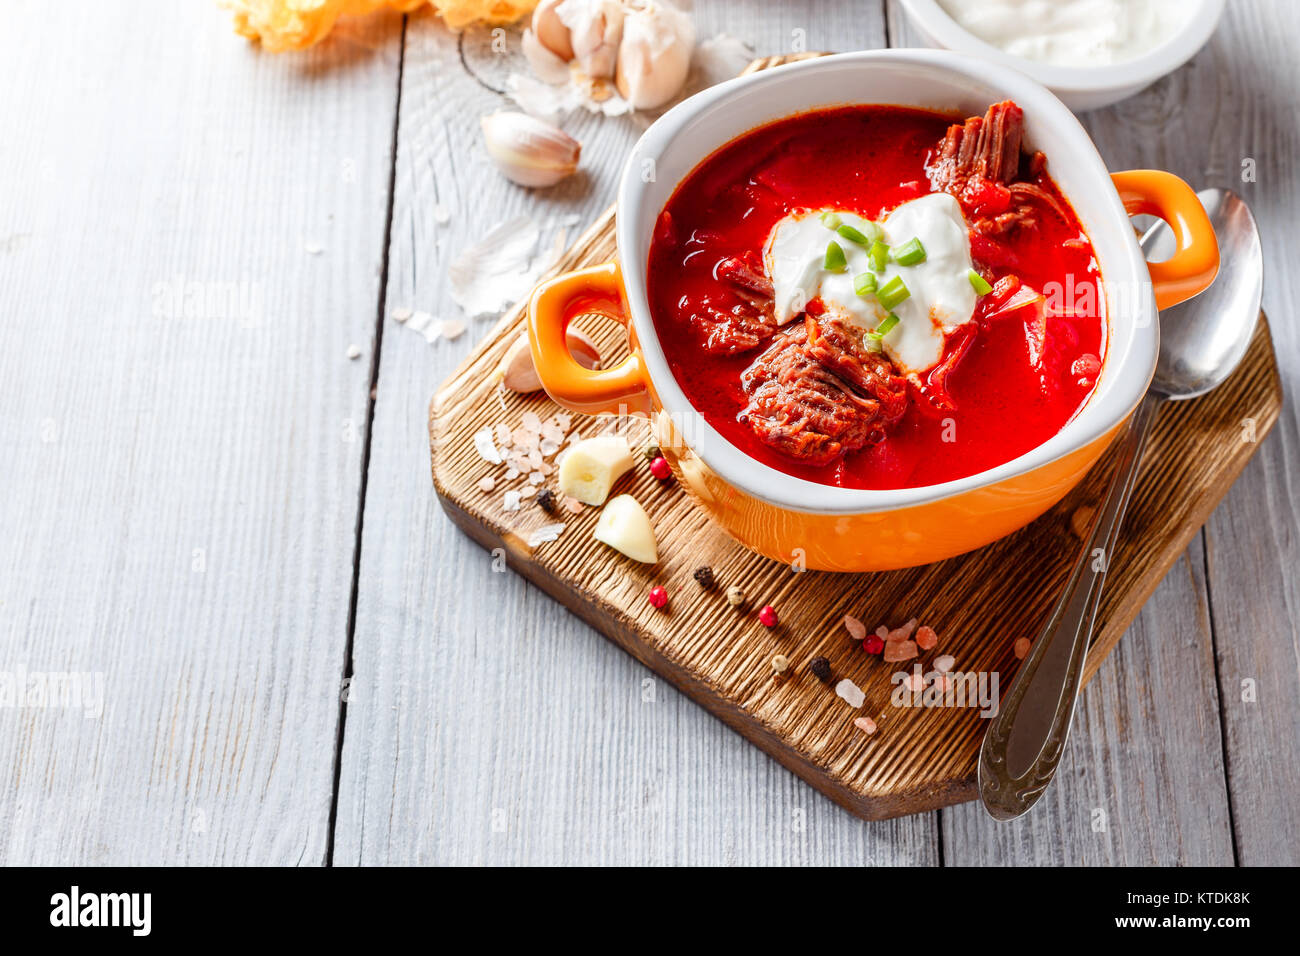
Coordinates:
(658, 597)
(659, 468)
(767, 615)
(873, 645)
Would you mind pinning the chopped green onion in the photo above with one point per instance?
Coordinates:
(892, 293)
(864, 283)
(851, 234)
(980, 284)
(878, 255)
(875, 341)
(909, 253)
(834, 261)
(831, 220)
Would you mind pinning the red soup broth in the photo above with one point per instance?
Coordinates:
(868, 160)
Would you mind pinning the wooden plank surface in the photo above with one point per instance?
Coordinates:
(149, 142)
(486, 725)
(182, 431)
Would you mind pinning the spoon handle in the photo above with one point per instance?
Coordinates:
(1027, 736)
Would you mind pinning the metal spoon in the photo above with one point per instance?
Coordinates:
(1201, 342)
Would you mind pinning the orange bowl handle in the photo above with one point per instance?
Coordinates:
(622, 389)
(1194, 266)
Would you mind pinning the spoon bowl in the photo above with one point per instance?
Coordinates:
(1203, 339)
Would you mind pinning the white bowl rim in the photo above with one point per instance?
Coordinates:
(1132, 370)
(1112, 77)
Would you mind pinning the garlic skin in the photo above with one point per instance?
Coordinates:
(654, 57)
(528, 151)
(550, 31)
(595, 30)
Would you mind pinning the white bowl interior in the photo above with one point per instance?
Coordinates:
(938, 80)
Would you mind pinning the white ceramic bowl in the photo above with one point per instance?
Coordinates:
(1080, 88)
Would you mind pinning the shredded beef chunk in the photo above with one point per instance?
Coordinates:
(809, 400)
(979, 162)
(742, 318)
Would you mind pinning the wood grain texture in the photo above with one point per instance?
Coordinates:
(922, 758)
(1230, 91)
(485, 725)
(181, 428)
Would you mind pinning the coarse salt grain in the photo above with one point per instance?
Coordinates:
(1021, 648)
(527, 491)
(944, 663)
(401, 314)
(354, 352)
(511, 501)
(857, 630)
(512, 473)
(851, 693)
(902, 633)
(882, 632)
(451, 329)
(502, 432)
(573, 505)
(441, 214)
(547, 532)
(483, 445)
(530, 421)
(926, 637)
(549, 447)
(536, 478)
(487, 483)
(900, 650)
(865, 724)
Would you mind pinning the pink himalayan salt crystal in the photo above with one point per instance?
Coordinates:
(857, 630)
(1021, 648)
(902, 633)
(926, 638)
(882, 632)
(573, 505)
(944, 663)
(900, 650)
(865, 724)
(487, 483)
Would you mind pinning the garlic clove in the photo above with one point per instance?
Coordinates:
(516, 371)
(591, 467)
(551, 33)
(546, 66)
(595, 29)
(654, 57)
(624, 526)
(527, 150)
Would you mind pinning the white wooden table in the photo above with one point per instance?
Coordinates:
(204, 501)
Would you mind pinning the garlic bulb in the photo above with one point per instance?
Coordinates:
(529, 151)
(655, 55)
(595, 29)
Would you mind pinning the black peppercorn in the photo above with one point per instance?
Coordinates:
(546, 500)
(821, 669)
(704, 575)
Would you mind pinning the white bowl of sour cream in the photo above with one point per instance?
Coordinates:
(1090, 53)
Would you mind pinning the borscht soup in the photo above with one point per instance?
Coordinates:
(878, 296)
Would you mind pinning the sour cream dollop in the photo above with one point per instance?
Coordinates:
(942, 297)
(1073, 32)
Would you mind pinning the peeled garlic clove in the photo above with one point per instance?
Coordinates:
(655, 55)
(624, 526)
(550, 31)
(591, 467)
(595, 28)
(528, 151)
(516, 369)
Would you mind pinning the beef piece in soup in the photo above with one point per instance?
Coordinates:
(739, 318)
(805, 408)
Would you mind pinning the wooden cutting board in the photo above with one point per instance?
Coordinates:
(920, 758)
